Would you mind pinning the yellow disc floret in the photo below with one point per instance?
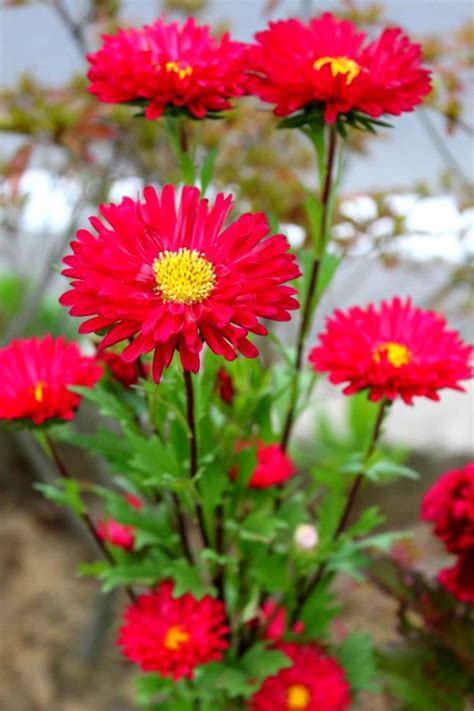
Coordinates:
(182, 69)
(339, 65)
(184, 277)
(298, 697)
(38, 391)
(396, 353)
(175, 638)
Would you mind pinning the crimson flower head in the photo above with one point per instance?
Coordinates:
(396, 350)
(35, 376)
(119, 534)
(166, 66)
(459, 580)
(274, 620)
(314, 682)
(225, 386)
(273, 465)
(167, 273)
(327, 65)
(172, 635)
(449, 504)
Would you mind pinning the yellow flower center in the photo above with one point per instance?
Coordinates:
(175, 638)
(340, 65)
(182, 69)
(396, 354)
(184, 277)
(38, 391)
(298, 697)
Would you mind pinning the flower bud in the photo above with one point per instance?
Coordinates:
(306, 537)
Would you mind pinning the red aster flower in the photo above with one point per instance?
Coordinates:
(35, 377)
(225, 386)
(273, 465)
(459, 579)
(327, 65)
(171, 635)
(450, 505)
(315, 682)
(168, 273)
(125, 373)
(119, 534)
(274, 621)
(166, 65)
(395, 350)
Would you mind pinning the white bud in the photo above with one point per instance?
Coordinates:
(306, 537)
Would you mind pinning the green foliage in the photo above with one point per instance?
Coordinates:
(66, 492)
(357, 656)
(420, 674)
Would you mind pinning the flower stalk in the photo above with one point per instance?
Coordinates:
(310, 303)
(349, 506)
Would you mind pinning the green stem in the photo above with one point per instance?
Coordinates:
(348, 508)
(193, 450)
(179, 142)
(310, 303)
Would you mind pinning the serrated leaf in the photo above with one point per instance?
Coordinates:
(357, 656)
(385, 469)
(148, 686)
(66, 493)
(186, 578)
(259, 662)
(260, 526)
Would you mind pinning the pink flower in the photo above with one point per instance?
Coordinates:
(36, 375)
(327, 64)
(395, 350)
(168, 66)
(168, 274)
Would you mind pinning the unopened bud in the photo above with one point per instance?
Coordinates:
(306, 537)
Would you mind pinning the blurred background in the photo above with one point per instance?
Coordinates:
(405, 224)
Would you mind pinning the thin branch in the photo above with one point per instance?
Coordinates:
(57, 459)
(75, 28)
(308, 310)
(193, 449)
(346, 513)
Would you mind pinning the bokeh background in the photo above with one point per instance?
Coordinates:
(405, 224)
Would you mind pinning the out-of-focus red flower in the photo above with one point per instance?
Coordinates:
(119, 534)
(326, 64)
(273, 465)
(36, 375)
(169, 275)
(314, 682)
(396, 350)
(449, 504)
(125, 373)
(173, 635)
(166, 65)
(273, 621)
(225, 386)
(459, 579)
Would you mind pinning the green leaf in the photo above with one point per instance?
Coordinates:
(186, 578)
(357, 656)
(148, 686)
(319, 610)
(260, 526)
(385, 470)
(367, 521)
(107, 404)
(217, 676)
(259, 662)
(65, 493)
